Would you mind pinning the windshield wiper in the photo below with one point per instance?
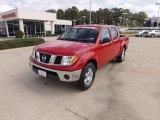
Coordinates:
(68, 39)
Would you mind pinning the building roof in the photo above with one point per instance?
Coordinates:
(27, 14)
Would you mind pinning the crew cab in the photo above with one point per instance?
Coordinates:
(78, 53)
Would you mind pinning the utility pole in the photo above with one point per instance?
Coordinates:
(90, 15)
(124, 19)
(158, 21)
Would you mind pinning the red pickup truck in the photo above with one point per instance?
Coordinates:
(78, 53)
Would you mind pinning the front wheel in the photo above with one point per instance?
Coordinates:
(87, 76)
(122, 56)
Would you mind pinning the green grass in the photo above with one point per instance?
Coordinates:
(128, 32)
(22, 42)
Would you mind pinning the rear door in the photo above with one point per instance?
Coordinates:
(116, 41)
(105, 50)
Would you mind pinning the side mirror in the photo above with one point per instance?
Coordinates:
(106, 40)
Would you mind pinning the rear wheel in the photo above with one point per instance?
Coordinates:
(87, 76)
(122, 56)
(152, 36)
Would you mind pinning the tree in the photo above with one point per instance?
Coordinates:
(141, 17)
(72, 13)
(60, 14)
(51, 10)
(106, 16)
(85, 13)
(99, 15)
(116, 13)
(110, 16)
(68, 14)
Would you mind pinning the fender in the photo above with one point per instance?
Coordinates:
(85, 58)
(123, 43)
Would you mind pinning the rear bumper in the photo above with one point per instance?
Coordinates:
(137, 35)
(65, 76)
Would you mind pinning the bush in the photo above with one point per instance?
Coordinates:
(48, 33)
(17, 43)
(19, 34)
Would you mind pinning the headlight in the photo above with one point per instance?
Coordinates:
(33, 53)
(68, 60)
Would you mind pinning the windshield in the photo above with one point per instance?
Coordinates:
(80, 35)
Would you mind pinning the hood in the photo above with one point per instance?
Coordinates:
(61, 47)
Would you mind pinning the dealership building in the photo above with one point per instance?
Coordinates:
(152, 22)
(32, 23)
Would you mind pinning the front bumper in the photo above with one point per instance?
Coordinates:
(57, 74)
(147, 35)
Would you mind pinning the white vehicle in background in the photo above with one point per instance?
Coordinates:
(122, 30)
(152, 33)
(140, 33)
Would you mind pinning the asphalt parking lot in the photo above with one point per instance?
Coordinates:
(126, 91)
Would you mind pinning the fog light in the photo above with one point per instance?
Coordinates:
(66, 77)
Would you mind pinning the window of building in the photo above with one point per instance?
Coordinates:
(13, 26)
(3, 32)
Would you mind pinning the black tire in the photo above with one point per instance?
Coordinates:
(122, 56)
(81, 83)
(142, 35)
(152, 36)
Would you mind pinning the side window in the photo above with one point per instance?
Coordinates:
(114, 33)
(106, 34)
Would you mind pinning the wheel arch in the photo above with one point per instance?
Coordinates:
(124, 46)
(94, 61)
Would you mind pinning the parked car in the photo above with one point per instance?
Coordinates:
(140, 33)
(78, 53)
(152, 33)
(123, 30)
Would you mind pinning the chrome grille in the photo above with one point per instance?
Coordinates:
(45, 58)
(50, 59)
(58, 60)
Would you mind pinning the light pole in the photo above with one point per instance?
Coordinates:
(126, 22)
(134, 22)
(84, 17)
(120, 20)
(90, 14)
(103, 21)
(124, 19)
(113, 22)
(158, 14)
(74, 22)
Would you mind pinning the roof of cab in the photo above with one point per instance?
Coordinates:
(95, 25)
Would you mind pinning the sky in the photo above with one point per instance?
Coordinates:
(41, 5)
